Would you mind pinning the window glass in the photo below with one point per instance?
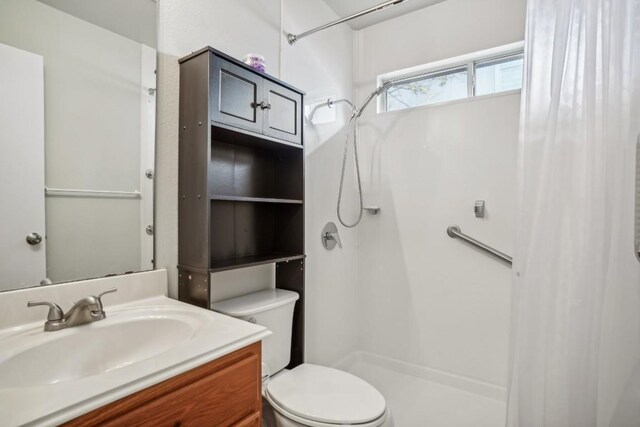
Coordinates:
(431, 88)
(498, 75)
(476, 75)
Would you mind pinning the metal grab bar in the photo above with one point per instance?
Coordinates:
(454, 232)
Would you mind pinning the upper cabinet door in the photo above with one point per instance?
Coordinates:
(283, 111)
(236, 96)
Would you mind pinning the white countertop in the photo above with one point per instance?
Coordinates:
(52, 404)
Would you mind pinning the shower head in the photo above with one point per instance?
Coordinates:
(384, 86)
(377, 92)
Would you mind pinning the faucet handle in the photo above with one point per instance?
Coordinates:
(109, 291)
(55, 312)
(330, 236)
(335, 236)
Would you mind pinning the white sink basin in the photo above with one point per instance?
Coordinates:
(124, 338)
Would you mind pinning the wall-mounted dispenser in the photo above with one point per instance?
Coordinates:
(479, 209)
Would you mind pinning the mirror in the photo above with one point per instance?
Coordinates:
(77, 139)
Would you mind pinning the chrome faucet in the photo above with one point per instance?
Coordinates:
(87, 310)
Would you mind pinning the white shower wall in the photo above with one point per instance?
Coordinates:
(322, 65)
(425, 299)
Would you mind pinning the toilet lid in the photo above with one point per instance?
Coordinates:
(326, 395)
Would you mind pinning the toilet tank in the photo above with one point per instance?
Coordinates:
(272, 309)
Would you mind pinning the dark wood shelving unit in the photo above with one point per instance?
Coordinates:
(248, 139)
(241, 179)
(250, 261)
(254, 199)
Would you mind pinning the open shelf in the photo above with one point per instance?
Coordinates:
(254, 199)
(249, 261)
(240, 173)
(254, 231)
(238, 136)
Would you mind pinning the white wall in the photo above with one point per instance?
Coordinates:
(321, 66)
(92, 133)
(424, 298)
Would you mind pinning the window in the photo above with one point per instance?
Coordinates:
(441, 86)
(483, 73)
(498, 75)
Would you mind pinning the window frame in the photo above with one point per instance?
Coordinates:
(457, 64)
(494, 61)
(425, 76)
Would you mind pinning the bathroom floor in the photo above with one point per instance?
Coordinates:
(416, 402)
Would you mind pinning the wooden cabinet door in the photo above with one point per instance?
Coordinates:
(221, 399)
(235, 95)
(283, 115)
(222, 393)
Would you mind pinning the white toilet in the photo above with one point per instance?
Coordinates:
(308, 395)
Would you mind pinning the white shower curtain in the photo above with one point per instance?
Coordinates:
(575, 342)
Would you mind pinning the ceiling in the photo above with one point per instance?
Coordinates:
(136, 19)
(133, 19)
(348, 7)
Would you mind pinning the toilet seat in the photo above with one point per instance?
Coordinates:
(319, 396)
(309, 423)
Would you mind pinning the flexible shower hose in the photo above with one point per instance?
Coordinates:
(355, 115)
(352, 122)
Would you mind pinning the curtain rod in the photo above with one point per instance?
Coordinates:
(292, 38)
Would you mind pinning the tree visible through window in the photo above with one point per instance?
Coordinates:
(487, 75)
(429, 89)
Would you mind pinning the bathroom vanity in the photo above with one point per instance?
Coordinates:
(223, 392)
(152, 361)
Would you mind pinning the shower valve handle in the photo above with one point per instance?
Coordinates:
(333, 236)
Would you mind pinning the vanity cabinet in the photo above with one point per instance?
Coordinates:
(224, 392)
(240, 179)
(244, 99)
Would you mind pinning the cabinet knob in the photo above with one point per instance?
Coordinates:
(265, 105)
